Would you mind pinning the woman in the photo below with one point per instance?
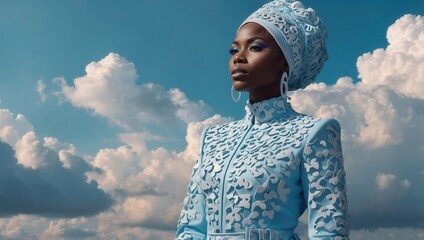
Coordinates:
(256, 176)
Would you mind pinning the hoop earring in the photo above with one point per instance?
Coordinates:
(232, 94)
(284, 85)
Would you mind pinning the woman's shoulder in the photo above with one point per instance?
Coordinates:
(313, 121)
(325, 123)
(318, 126)
(307, 125)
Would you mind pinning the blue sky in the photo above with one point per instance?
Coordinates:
(175, 45)
(182, 44)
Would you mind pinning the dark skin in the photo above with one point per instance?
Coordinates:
(257, 63)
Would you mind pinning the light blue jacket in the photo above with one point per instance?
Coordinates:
(256, 176)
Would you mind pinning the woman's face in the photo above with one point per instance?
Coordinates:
(256, 63)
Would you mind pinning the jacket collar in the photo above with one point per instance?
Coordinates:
(268, 109)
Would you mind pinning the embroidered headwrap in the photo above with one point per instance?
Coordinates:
(301, 36)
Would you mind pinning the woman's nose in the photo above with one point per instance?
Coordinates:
(239, 58)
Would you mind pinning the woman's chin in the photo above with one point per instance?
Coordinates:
(240, 86)
(239, 89)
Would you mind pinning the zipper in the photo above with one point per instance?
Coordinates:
(225, 173)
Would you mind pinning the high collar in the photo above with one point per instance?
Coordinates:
(267, 110)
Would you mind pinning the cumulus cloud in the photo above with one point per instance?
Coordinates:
(140, 179)
(55, 145)
(42, 176)
(401, 65)
(381, 118)
(29, 151)
(13, 128)
(48, 190)
(109, 89)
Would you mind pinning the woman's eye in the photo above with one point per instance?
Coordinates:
(256, 47)
(233, 51)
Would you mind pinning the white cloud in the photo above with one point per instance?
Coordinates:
(187, 110)
(55, 145)
(109, 89)
(41, 89)
(67, 154)
(385, 181)
(370, 117)
(401, 65)
(13, 128)
(29, 151)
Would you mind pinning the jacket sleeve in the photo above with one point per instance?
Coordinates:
(192, 222)
(324, 185)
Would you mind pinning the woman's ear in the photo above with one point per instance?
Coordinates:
(285, 65)
(284, 68)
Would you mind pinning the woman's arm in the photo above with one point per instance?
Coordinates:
(324, 185)
(192, 223)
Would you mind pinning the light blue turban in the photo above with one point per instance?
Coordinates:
(301, 36)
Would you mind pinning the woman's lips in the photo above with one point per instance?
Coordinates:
(238, 73)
